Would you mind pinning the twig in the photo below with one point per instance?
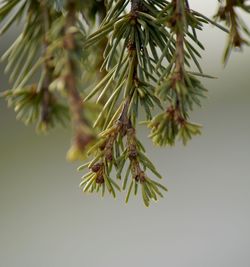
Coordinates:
(83, 134)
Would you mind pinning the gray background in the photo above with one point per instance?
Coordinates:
(45, 221)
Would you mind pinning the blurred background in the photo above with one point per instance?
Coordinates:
(204, 219)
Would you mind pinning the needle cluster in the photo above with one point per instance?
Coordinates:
(105, 64)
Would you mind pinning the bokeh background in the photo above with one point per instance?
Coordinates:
(204, 219)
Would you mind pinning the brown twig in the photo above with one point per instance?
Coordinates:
(46, 94)
(83, 135)
(179, 63)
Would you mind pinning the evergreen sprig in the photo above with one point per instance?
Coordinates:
(103, 64)
(228, 12)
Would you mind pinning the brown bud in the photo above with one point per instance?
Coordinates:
(102, 146)
(109, 155)
(142, 177)
(237, 40)
(100, 179)
(132, 154)
(137, 178)
(96, 167)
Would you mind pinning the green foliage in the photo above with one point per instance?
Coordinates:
(169, 125)
(103, 64)
(29, 106)
(228, 13)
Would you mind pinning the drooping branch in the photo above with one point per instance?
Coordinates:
(119, 143)
(143, 57)
(47, 97)
(228, 13)
(82, 131)
(180, 88)
(179, 61)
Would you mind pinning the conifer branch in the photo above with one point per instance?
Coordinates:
(83, 135)
(141, 60)
(47, 97)
(227, 13)
(180, 21)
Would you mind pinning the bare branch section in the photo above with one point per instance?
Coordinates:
(47, 97)
(82, 131)
(179, 16)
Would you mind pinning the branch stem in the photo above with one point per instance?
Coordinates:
(46, 95)
(81, 128)
(179, 63)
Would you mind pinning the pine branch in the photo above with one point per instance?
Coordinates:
(227, 13)
(140, 59)
(82, 131)
(47, 97)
